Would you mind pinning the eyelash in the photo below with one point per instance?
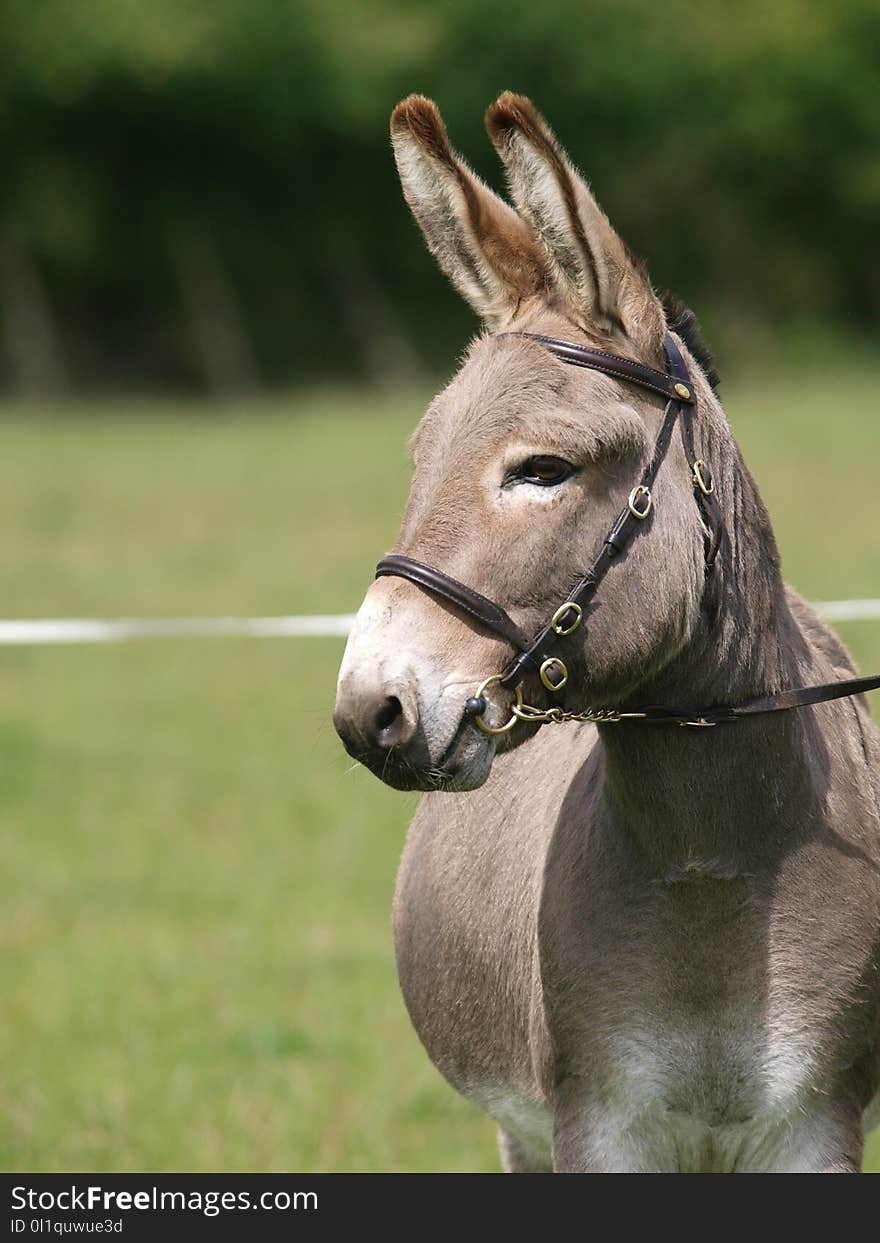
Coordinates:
(527, 472)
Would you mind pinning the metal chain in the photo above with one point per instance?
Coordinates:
(521, 711)
(558, 716)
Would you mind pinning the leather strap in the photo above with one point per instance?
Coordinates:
(611, 364)
(480, 608)
(804, 696)
(617, 540)
(783, 701)
(703, 481)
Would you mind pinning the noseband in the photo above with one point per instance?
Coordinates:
(538, 652)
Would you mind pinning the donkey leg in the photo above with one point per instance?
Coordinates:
(520, 1158)
(845, 1163)
(578, 1148)
(830, 1142)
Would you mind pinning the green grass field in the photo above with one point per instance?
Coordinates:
(197, 970)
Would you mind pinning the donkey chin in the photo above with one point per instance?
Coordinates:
(462, 763)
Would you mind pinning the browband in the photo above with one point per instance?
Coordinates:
(672, 387)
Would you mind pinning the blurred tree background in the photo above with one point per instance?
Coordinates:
(199, 194)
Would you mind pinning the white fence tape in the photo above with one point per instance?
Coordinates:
(82, 630)
(849, 610)
(85, 630)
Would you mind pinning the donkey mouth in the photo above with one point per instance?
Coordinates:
(464, 764)
(451, 777)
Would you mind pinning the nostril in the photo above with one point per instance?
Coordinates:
(372, 723)
(389, 723)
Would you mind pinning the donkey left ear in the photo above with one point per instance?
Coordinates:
(604, 287)
(489, 252)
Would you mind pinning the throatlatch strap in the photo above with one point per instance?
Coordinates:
(704, 484)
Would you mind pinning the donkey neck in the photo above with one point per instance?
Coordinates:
(700, 799)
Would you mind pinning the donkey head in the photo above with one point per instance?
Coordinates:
(521, 464)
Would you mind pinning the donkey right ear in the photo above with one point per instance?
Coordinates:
(489, 252)
(603, 287)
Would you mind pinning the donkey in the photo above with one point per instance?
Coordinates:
(637, 947)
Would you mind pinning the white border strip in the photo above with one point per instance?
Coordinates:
(86, 630)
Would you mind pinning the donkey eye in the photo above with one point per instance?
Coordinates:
(542, 469)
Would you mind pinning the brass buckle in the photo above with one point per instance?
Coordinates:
(544, 673)
(700, 480)
(497, 729)
(556, 620)
(641, 490)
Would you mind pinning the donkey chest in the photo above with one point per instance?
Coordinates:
(683, 1022)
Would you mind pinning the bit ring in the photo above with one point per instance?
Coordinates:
(480, 694)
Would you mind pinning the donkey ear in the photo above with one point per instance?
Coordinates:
(491, 255)
(603, 286)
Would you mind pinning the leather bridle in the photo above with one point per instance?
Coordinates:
(539, 651)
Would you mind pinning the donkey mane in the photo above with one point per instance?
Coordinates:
(684, 323)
